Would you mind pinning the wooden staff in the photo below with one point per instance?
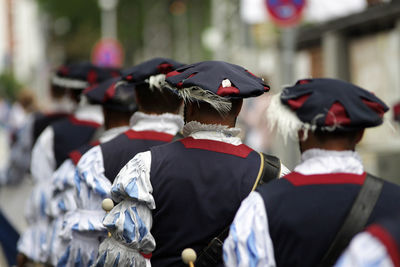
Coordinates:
(107, 205)
(189, 256)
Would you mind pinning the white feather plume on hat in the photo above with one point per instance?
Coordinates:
(285, 120)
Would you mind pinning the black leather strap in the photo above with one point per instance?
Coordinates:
(271, 170)
(356, 219)
(212, 254)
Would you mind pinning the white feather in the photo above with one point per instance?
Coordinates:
(189, 94)
(156, 81)
(69, 83)
(285, 120)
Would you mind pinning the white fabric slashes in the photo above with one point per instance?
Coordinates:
(365, 251)
(92, 186)
(249, 250)
(61, 206)
(112, 253)
(133, 190)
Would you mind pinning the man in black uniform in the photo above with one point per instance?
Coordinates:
(53, 146)
(308, 217)
(183, 194)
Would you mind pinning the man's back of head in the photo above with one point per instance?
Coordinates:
(213, 91)
(325, 113)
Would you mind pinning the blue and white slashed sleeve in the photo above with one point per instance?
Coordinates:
(365, 251)
(249, 242)
(133, 181)
(90, 188)
(43, 160)
(62, 197)
(131, 220)
(20, 155)
(91, 183)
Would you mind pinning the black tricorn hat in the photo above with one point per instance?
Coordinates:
(142, 72)
(324, 105)
(334, 103)
(114, 94)
(82, 75)
(215, 82)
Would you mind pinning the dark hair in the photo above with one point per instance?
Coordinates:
(75, 94)
(209, 109)
(157, 101)
(323, 136)
(57, 92)
(113, 118)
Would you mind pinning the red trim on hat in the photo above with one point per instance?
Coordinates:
(298, 102)
(89, 88)
(396, 112)
(172, 73)
(304, 81)
(64, 70)
(146, 256)
(110, 92)
(251, 73)
(92, 77)
(224, 91)
(337, 115)
(115, 74)
(179, 85)
(149, 135)
(164, 68)
(77, 121)
(75, 156)
(390, 244)
(240, 151)
(298, 179)
(378, 108)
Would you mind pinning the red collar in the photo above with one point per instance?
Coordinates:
(76, 121)
(149, 135)
(298, 179)
(241, 150)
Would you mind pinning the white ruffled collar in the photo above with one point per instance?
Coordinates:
(111, 133)
(214, 132)
(166, 122)
(319, 161)
(90, 113)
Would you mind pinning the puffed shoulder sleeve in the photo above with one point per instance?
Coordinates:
(364, 251)
(43, 160)
(90, 172)
(130, 221)
(249, 242)
(133, 181)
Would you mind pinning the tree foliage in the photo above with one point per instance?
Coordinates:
(9, 86)
(85, 24)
